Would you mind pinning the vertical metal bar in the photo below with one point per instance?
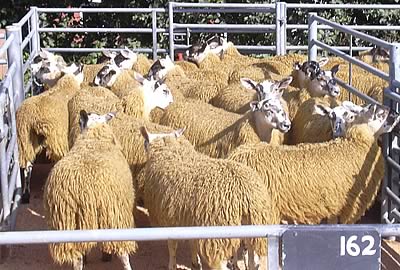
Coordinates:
(171, 30)
(351, 65)
(35, 43)
(273, 253)
(14, 54)
(3, 160)
(187, 36)
(281, 20)
(278, 28)
(312, 35)
(154, 33)
(394, 75)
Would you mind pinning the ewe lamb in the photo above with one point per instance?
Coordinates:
(91, 188)
(177, 193)
(296, 175)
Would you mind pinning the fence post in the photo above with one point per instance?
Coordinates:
(312, 35)
(154, 33)
(280, 24)
(273, 253)
(14, 55)
(35, 42)
(171, 30)
(390, 141)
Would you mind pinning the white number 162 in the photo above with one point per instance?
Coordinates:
(353, 249)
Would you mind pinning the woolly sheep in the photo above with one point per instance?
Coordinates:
(142, 65)
(173, 199)
(91, 188)
(237, 98)
(215, 132)
(354, 166)
(42, 123)
(310, 125)
(374, 55)
(90, 72)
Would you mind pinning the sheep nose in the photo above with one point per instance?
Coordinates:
(285, 126)
(335, 91)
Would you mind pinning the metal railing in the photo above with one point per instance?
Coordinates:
(13, 89)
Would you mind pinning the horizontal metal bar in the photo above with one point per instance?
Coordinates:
(396, 214)
(176, 233)
(341, 48)
(26, 40)
(221, 5)
(83, 50)
(356, 92)
(223, 30)
(9, 75)
(98, 30)
(101, 10)
(392, 195)
(225, 26)
(354, 27)
(239, 47)
(3, 62)
(24, 19)
(393, 164)
(28, 62)
(392, 95)
(374, 40)
(225, 10)
(355, 61)
(6, 44)
(343, 6)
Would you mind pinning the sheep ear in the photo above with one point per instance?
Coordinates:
(351, 106)
(107, 53)
(335, 69)
(110, 116)
(125, 52)
(254, 106)
(139, 77)
(284, 83)
(84, 118)
(145, 134)
(179, 132)
(322, 110)
(297, 66)
(248, 83)
(323, 61)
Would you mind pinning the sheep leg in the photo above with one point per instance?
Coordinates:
(125, 261)
(233, 262)
(196, 262)
(26, 173)
(172, 246)
(251, 261)
(78, 263)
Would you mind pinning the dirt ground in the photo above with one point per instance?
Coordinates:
(151, 255)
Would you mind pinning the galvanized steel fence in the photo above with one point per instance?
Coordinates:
(18, 82)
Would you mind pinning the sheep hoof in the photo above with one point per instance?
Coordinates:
(25, 198)
(105, 257)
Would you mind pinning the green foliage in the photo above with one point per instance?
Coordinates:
(12, 11)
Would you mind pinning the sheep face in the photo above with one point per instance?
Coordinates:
(125, 59)
(217, 44)
(48, 73)
(266, 88)
(341, 117)
(308, 70)
(76, 70)
(377, 54)
(197, 52)
(379, 118)
(107, 57)
(160, 68)
(156, 92)
(91, 120)
(272, 113)
(107, 75)
(324, 83)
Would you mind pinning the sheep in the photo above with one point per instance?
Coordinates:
(90, 72)
(236, 98)
(106, 57)
(310, 125)
(107, 75)
(45, 56)
(177, 193)
(216, 132)
(125, 59)
(354, 166)
(124, 83)
(42, 123)
(374, 55)
(91, 188)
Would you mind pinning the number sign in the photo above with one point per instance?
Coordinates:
(306, 249)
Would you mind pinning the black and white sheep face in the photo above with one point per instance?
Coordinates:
(379, 118)
(90, 120)
(341, 117)
(125, 59)
(273, 112)
(160, 68)
(76, 70)
(156, 92)
(325, 83)
(267, 88)
(197, 52)
(107, 75)
(48, 73)
(308, 71)
(107, 57)
(218, 45)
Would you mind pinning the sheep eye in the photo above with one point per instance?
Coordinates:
(166, 92)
